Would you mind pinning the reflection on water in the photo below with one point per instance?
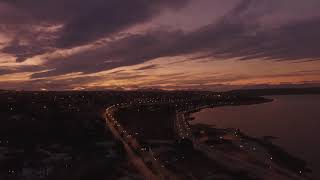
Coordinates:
(294, 119)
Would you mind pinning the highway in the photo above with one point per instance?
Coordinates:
(151, 168)
(182, 127)
(141, 158)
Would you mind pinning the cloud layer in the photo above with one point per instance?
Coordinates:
(41, 25)
(89, 37)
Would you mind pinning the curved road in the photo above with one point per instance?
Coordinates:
(142, 159)
(151, 168)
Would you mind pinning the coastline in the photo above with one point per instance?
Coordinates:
(199, 109)
(279, 156)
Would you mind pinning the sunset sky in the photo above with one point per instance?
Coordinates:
(158, 44)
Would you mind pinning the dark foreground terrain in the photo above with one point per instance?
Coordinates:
(71, 135)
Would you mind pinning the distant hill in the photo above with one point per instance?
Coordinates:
(277, 91)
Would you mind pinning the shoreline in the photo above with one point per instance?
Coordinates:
(188, 113)
(283, 158)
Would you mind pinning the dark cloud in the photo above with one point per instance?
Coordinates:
(28, 68)
(82, 21)
(23, 52)
(110, 17)
(56, 11)
(132, 50)
(237, 34)
(4, 71)
(240, 34)
(41, 26)
(299, 41)
(152, 66)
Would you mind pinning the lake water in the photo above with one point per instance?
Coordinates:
(294, 119)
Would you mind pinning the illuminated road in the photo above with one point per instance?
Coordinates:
(182, 127)
(149, 166)
(140, 157)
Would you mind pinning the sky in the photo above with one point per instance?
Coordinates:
(159, 44)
